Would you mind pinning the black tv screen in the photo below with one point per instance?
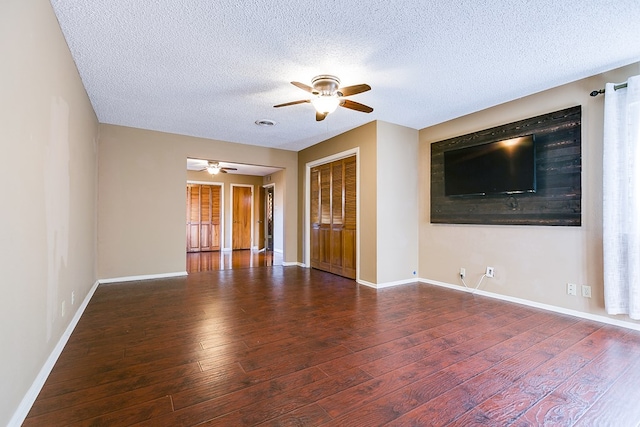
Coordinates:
(501, 167)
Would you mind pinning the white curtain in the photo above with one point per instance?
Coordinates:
(621, 199)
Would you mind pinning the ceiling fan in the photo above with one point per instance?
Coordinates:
(328, 95)
(214, 168)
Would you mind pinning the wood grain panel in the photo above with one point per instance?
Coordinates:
(336, 250)
(325, 194)
(337, 194)
(241, 230)
(557, 200)
(350, 193)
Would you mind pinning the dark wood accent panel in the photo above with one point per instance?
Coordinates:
(558, 162)
(293, 346)
(333, 217)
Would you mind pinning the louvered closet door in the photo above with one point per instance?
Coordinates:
(349, 219)
(203, 218)
(210, 218)
(333, 217)
(193, 218)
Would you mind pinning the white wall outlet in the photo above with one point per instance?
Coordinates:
(62, 310)
(572, 289)
(586, 291)
(463, 273)
(489, 272)
(73, 297)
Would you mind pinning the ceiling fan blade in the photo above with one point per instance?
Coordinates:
(302, 101)
(320, 116)
(303, 86)
(352, 90)
(346, 103)
(229, 169)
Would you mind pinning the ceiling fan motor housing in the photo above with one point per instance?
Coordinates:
(325, 84)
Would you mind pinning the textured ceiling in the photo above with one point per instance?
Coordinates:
(212, 68)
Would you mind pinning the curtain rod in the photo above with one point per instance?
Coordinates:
(616, 87)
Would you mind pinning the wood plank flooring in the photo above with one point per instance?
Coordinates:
(278, 346)
(227, 260)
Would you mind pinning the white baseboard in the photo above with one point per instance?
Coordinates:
(292, 264)
(30, 397)
(387, 284)
(548, 307)
(142, 277)
(365, 283)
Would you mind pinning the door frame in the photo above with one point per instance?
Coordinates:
(307, 204)
(233, 187)
(273, 217)
(221, 185)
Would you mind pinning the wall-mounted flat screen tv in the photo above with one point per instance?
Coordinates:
(501, 167)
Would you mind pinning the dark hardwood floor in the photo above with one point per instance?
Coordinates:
(228, 260)
(290, 346)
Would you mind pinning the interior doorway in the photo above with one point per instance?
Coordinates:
(247, 223)
(268, 217)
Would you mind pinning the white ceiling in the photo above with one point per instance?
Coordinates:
(212, 68)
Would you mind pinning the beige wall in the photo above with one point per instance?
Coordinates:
(142, 176)
(397, 204)
(47, 168)
(364, 138)
(228, 180)
(533, 263)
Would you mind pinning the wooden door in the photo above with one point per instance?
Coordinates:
(193, 218)
(203, 218)
(333, 217)
(242, 205)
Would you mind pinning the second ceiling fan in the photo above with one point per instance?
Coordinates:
(214, 168)
(328, 95)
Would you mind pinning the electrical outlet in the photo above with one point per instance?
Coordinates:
(463, 273)
(73, 297)
(586, 291)
(489, 272)
(63, 309)
(572, 289)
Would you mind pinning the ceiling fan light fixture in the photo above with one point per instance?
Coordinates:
(213, 168)
(325, 104)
